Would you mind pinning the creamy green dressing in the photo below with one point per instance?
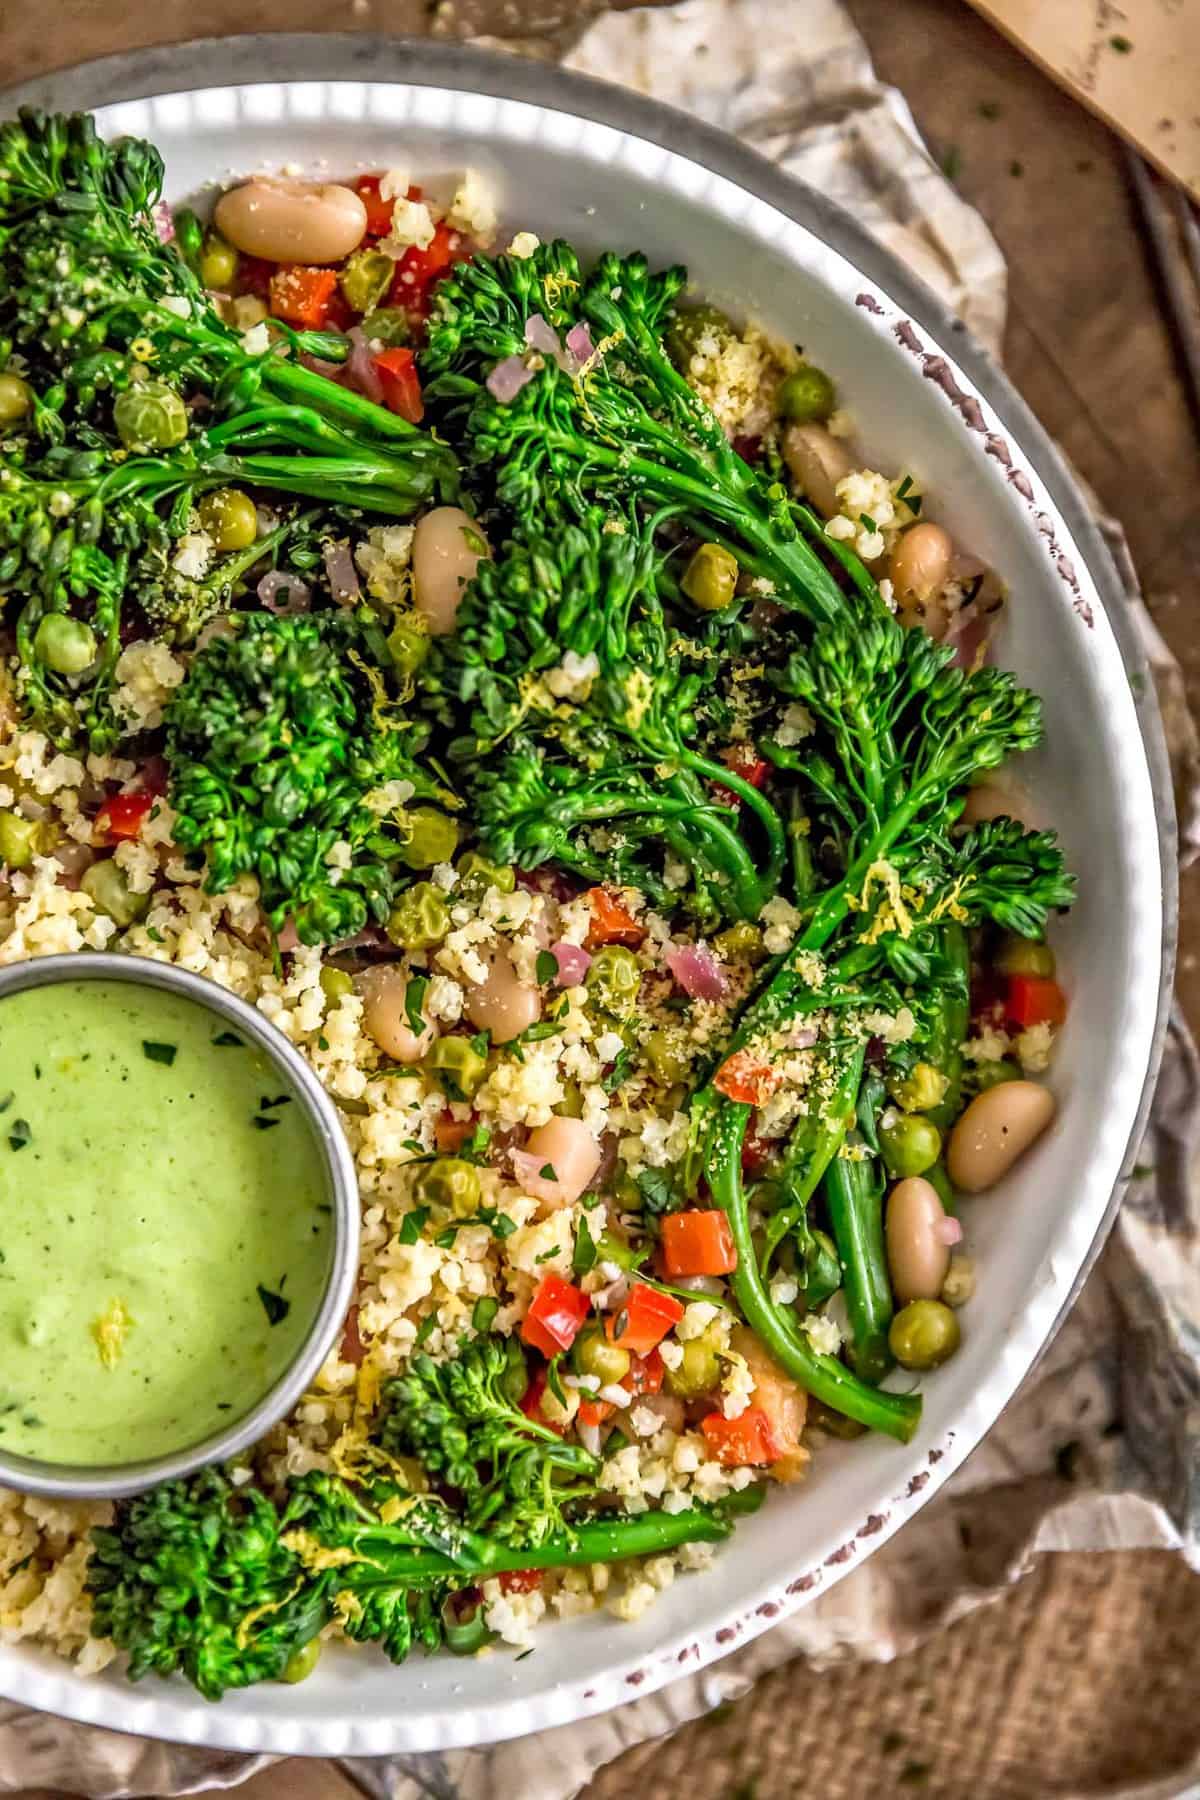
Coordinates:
(164, 1234)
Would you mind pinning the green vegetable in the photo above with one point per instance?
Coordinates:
(920, 1090)
(699, 1372)
(667, 1056)
(452, 1184)
(1024, 956)
(710, 579)
(593, 1354)
(614, 980)
(19, 840)
(407, 648)
(420, 918)
(478, 873)
(336, 984)
(854, 1199)
(274, 741)
(91, 516)
(457, 1063)
(16, 399)
(301, 1663)
(387, 325)
(950, 1017)
(910, 1144)
(67, 646)
(690, 325)
(432, 837)
(107, 887)
(990, 1072)
(742, 942)
(923, 1334)
(464, 1625)
(805, 396)
(365, 279)
(230, 518)
(218, 262)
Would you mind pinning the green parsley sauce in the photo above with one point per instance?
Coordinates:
(164, 1237)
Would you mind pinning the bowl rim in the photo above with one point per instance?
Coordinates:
(111, 1481)
(265, 58)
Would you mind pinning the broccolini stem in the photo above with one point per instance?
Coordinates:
(949, 1026)
(823, 1376)
(758, 804)
(835, 1121)
(853, 1197)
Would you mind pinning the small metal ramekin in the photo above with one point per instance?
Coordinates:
(111, 1480)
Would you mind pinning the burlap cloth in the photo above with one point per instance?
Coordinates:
(1097, 1451)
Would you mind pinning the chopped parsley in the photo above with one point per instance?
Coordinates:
(274, 1305)
(260, 1123)
(159, 1053)
(585, 1250)
(228, 1040)
(1122, 45)
(20, 1134)
(425, 1330)
(546, 968)
(413, 1224)
(547, 1172)
(414, 1000)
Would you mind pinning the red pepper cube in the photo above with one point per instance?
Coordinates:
(746, 1078)
(612, 921)
(1034, 1000)
(123, 816)
(747, 1441)
(644, 1320)
(303, 296)
(555, 1314)
(397, 372)
(698, 1243)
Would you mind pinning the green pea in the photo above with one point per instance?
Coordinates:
(387, 325)
(611, 1249)
(67, 646)
(19, 840)
(924, 1334)
(16, 399)
(592, 1354)
(711, 577)
(690, 327)
(335, 983)
(456, 1060)
(741, 943)
(478, 873)
(230, 518)
(420, 918)
(920, 1090)
(1022, 956)
(218, 262)
(990, 1073)
(614, 980)
(667, 1056)
(627, 1194)
(824, 1418)
(910, 1144)
(571, 1104)
(149, 415)
(407, 647)
(453, 1184)
(699, 1371)
(107, 888)
(366, 278)
(432, 838)
(806, 396)
(301, 1663)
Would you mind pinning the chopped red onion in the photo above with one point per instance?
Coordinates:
(289, 937)
(361, 373)
(802, 1037)
(507, 379)
(573, 963)
(343, 577)
(700, 1284)
(950, 1230)
(73, 859)
(589, 1437)
(164, 223)
(969, 631)
(540, 335)
(696, 970)
(579, 343)
(319, 366)
(280, 593)
(526, 1166)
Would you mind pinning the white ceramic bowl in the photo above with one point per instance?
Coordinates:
(607, 169)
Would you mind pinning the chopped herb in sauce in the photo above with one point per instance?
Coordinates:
(159, 1053)
(228, 1040)
(20, 1134)
(261, 1123)
(274, 1305)
(484, 1314)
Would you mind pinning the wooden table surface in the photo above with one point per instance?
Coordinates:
(1087, 342)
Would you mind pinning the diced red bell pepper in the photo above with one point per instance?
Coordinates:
(743, 760)
(745, 1441)
(756, 1152)
(397, 372)
(418, 270)
(450, 1134)
(555, 1314)
(520, 1581)
(594, 1412)
(1034, 1000)
(352, 1349)
(612, 921)
(987, 998)
(303, 296)
(698, 1243)
(746, 1078)
(531, 1403)
(644, 1320)
(122, 816)
(379, 210)
(646, 1374)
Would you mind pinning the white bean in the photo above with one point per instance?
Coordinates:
(918, 1257)
(447, 548)
(999, 1126)
(569, 1148)
(818, 461)
(502, 1004)
(292, 221)
(385, 1015)
(919, 566)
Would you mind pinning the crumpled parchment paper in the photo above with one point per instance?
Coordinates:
(1114, 1401)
